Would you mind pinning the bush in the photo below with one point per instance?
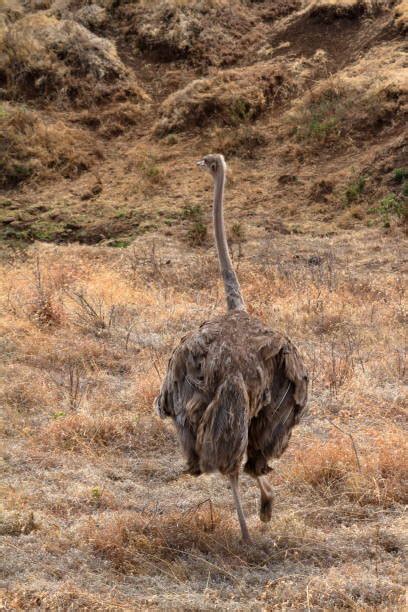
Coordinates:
(400, 174)
(354, 190)
(329, 9)
(393, 205)
(197, 231)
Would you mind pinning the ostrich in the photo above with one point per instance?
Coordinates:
(233, 387)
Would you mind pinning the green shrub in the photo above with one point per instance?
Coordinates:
(197, 231)
(321, 118)
(354, 190)
(400, 174)
(393, 205)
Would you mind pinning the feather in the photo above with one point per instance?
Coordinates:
(236, 386)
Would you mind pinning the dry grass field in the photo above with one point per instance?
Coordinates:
(106, 260)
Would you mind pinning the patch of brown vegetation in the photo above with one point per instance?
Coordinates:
(35, 149)
(14, 524)
(331, 9)
(401, 15)
(228, 99)
(43, 58)
(104, 479)
(374, 474)
(112, 121)
(359, 101)
(10, 10)
(84, 432)
(210, 33)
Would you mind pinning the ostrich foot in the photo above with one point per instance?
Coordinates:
(265, 511)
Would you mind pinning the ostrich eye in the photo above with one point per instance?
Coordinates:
(213, 166)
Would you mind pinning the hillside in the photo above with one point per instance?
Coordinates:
(105, 107)
(107, 259)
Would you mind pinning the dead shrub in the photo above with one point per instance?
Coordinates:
(10, 11)
(34, 149)
(93, 315)
(92, 16)
(111, 122)
(45, 307)
(132, 541)
(337, 360)
(15, 524)
(111, 322)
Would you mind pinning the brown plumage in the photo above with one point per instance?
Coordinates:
(233, 387)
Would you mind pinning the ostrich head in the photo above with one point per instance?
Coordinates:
(213, 164)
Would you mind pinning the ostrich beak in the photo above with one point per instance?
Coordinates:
(201, 163)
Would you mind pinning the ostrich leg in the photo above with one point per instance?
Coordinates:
(235, 491)
(265, 512)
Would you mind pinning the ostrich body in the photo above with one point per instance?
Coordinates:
(234, 387)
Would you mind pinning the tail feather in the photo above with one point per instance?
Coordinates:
(271, 429)
(295, 372)
(222, 435)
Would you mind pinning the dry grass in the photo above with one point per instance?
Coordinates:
(211, 33)
(96, 511)
(83, 432)
(42, 57)
(374, 474)
(369, 95)
(346, 8)
(401, 15)
(10, 10)
(229, 99)
(104, 483)
(33, 149)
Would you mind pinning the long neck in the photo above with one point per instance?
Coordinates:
(235, 301)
